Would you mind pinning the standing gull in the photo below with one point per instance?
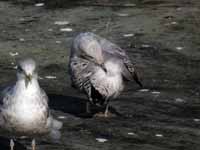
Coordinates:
(24, 106)
(98, 68)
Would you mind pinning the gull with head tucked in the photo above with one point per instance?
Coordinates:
(24, 106)
(98, 68)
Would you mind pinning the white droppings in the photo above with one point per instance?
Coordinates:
(12, 63)
(40, 78)
(179, 48)
(27, 30)
(13, 54)
(66, 29)
(131, 133)
(174, 23)
(101, 140)
(197, 120)
(22, 19)
(58, 42)
(143, 90)
(155, 92)
(180, 100)
(122, 14)
(50, 77)
(15, 67)
(21, 39)
(50, 30)
(128, 35)
(159, 135)
(145, 45)
(61, 117)
(130, 5)
(61, 22)
(39, 4)
(23, 137)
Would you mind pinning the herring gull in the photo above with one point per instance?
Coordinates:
(98, 68)
(24, 106)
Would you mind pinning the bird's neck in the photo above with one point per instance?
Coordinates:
(33, 85)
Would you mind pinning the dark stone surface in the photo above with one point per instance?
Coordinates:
(164, 46)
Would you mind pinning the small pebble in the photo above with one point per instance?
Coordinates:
(101, 140)
(50, 30)
(40, 78)
(61, 22)
(174, 23)
(196, 120)
(61, 117)
(39, 4)
(155, 92)
(66, 29)
(130, 5)
(23, 137)
(58, 42)
(21, 39)
(50, 77)
(179, 48)
(131, 133)
(128, 35)
(15, 67)
(122, 14)
(143, 90)
(145, 46)
(21, 19)
(13, 53)
(180, 100)
(159, 135)
(27, 30)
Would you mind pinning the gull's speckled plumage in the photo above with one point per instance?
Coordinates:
(98, 67)
(24, 106)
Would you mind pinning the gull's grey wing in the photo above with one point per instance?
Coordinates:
(44, 101)
(44, 97)
(5, 100)
(111, 50)
(81, 71)
(6, 95)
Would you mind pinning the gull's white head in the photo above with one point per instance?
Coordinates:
(26, 70)
(91, 49)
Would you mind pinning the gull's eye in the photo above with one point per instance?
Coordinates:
(19, 69)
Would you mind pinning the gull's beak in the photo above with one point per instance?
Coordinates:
(103, 67)
(28, 79)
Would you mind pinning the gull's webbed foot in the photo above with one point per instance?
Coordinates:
(12, 144)
(33, 144)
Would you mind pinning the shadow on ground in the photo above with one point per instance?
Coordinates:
(75, 106)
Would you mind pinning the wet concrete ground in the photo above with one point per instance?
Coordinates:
(162, 39)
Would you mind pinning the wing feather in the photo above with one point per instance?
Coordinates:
(111, 50)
